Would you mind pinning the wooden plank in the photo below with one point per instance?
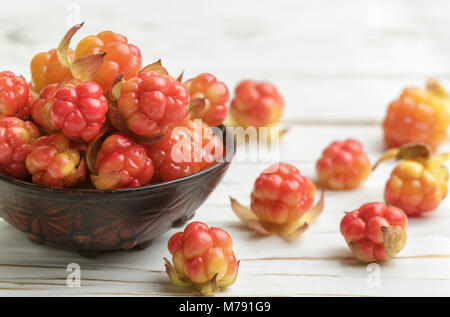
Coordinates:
(317, 264)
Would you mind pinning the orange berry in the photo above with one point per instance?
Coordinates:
(46, 69)
(418, 116)
(121, 57)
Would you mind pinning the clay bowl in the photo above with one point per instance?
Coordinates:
(91, 221)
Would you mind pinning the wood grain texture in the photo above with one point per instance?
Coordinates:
(337, 64)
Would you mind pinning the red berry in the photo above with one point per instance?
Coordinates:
(78, 110)
(281, 194)
(53, 163)
(14, 95)
(151, 103)
(121, 57)
(214, 94)
(46, 69)
(256, 104)
(186, 149)
(201, 252)
(418, 116)
(375, 232)
(16, 137)
(121, 163)
(343, 165)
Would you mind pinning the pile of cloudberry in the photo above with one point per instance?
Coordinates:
(95, 117)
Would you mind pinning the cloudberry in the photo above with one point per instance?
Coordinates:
(46, 69)
(256, 104)
(213, 95)
(78, 110)
(186, 149)
(121, 57)
(121, 163)
(343, 165)
(281, 202)
(419, 182)
(151, 103)
(14, 95)
(16, 137)
(418, 116)
(375, 232)
(53, 162)
(202, 256)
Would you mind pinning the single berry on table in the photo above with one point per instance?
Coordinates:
(14, 95)
(419, 182)
(419, 115)
(281, 202)
(121, 57)
(375, 232)
(16, 137)
(256, 104)
(202, 256)
(77, 109)
(46, 69)
(122, 163)
(212, 95)
(343, 165)
(152, 103)
(186, 149)
(53, 163)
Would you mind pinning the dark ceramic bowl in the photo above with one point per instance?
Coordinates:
(91, 221)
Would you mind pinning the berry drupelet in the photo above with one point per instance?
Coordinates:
(76, 109)
(202, 256)
(212, 96)
(375, 232)
(418, 116)
(16, 137)
(53, 162)
(122, 163)
(343, 165)
(14, 95)
(256, 104)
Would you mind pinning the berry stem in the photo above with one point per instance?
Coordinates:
(83, 68)
(438, 160)
(244, 213)
(394, 240)
(412, 151)
(155, 67)
(176, 278)
(63, 48)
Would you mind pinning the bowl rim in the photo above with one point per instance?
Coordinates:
(228, 158)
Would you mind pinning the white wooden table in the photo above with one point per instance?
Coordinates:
(337, 64)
